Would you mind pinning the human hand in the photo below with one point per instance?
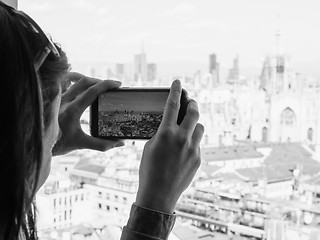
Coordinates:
(171, 158)
(73, 103)
(11, 3)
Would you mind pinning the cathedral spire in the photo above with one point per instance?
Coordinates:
(278, 37)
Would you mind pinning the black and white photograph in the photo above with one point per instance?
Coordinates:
(228, 149)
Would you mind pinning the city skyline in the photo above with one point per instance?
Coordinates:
(178, 36)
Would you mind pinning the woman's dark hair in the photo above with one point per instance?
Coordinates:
(24, 112)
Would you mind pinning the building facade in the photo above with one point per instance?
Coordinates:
(282, 106)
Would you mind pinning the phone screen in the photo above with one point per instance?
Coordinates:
(130, 114)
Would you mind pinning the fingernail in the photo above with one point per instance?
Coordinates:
(117, 82)
(177, 81)
(192, 101)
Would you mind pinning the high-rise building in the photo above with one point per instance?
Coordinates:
(234, 71)
(212, 62)
(152, 72)
(119, 69)
(236, 67)
(140, 67)
(214, 67)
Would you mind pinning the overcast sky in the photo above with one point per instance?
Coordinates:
(133, 101)
(180, 34)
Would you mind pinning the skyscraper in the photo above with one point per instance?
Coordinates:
(212, 62)
(234, 71)
(140, 66)
(152, 71)
(236, 67)
(214, 67)
(120, 73)
(119, 69)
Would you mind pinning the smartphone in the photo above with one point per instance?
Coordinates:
(131, 113)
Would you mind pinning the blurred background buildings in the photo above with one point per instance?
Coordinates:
(260, 171)
(259, 177)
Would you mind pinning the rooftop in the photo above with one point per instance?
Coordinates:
(232, 175)
(283, 159)
(290, 156)
(232, 193)
(271, 173)
(208, 170)
(188, 232)
(314, 180)
(122, 177)
(90, 167)
(229, 153)
(289, 152)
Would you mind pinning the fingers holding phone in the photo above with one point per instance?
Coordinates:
(172, 107)
(197, 134)
(73, 103)
(171, 158)
(136, 113)
(191, 119)
(80, 84)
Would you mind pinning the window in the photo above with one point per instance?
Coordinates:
(288, 117)
(256, 103)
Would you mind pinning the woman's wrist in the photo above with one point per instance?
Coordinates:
(161, 203)
(147, 223)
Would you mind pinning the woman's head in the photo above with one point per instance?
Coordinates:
(28, 104)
